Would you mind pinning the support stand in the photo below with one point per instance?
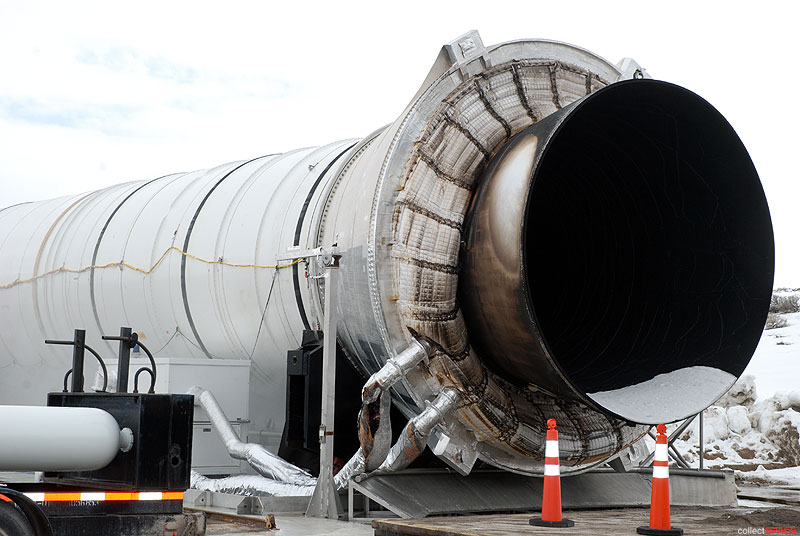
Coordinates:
(325, 501)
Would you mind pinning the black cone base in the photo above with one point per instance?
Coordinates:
(554, 524)
(674, 531)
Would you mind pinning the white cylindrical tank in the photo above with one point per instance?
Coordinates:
(190, 260)
(56, 439)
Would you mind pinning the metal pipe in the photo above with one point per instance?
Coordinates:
(77, 360)
(123, 359)
(375, 428)
(414, 437)
(679, 459)
(394, 369)
(38, 438)
(79, 347)
(260, 459)
(701, 445)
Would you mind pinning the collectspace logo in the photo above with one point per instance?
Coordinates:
(768, 530)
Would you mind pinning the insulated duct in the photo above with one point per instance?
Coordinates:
(561, 235)
(264, 462)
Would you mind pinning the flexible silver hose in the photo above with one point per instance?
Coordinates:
(259, 458)
(249, 485)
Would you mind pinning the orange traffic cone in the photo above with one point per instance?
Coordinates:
(659, 499)
(551, 496)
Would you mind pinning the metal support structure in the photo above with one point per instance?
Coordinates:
(131, 340)
(418, 493)
(124, 360)
(325, 501)
(673, 452)
(701, 446)
(79, 347)
(77, 360)
(675, 455)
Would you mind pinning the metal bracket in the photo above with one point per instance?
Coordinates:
(455, 447)
(203, 499)
(631, 70)
(629, 458)
(329, 257)
(465, 47)
(250, 506)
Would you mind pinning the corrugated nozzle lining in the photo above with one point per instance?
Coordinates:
(470, 125)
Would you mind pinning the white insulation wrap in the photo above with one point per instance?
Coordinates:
(56, 439)
(187, 260)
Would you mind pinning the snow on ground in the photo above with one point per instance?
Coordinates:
(776, 362)
(755, 427)
(742, 433)
(787, 476)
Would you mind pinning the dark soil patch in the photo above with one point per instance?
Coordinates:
(762, 517)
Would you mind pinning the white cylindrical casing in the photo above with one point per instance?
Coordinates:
(36, 438)
(243, 213)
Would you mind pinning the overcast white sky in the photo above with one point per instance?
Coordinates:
(97, 93)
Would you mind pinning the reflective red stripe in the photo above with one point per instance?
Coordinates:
(4, 498)
(660, 463)
(172, 496)
(551, 461)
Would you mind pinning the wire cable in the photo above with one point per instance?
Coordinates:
(264, 312)
(143, 270)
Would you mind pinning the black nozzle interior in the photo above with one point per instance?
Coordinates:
(648, 243)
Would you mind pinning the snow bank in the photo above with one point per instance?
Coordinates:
(738, 420)
(742, 434)
(743, 393)
(776, 362)
(788, 476)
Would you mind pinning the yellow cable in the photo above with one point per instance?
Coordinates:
(142, 270)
